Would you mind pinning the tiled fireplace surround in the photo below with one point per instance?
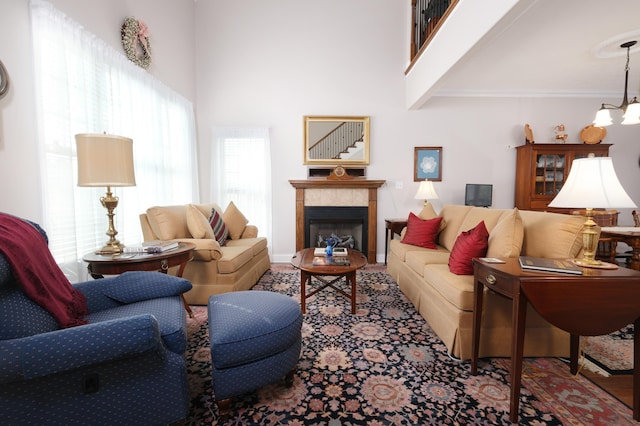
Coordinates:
(351, 192)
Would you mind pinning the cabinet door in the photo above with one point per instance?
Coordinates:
(550, 173)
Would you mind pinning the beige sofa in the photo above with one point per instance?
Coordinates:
(445, 299)
(237, 265)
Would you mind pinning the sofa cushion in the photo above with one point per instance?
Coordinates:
(417, 258)
(454, 216)
(427, 212)
(169, 222)
(455, 289)
(233, 258)
(257, 244)
(198, 224)
(551, 235)
(469, 244)
(220, 232)
(505, 239)
(235, 220)
(422, 233)
(490, 217)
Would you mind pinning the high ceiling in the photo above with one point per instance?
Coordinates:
(553, 48)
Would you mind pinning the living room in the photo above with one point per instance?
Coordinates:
(242, 69)
(271, 63)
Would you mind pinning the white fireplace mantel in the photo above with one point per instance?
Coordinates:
(338, 192)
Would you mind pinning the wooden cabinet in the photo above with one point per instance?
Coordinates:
(542, 169)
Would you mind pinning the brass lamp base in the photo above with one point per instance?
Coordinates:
(113, 246)
(589, 245)
(116, 248)
(596, 265)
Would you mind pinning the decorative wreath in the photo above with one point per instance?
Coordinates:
(135, 41)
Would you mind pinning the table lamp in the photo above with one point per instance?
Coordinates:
(426, 192)
(592, 183)
(106, 160)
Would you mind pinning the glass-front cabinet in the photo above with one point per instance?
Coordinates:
(542, 169)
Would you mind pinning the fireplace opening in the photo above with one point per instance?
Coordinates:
(348, 224)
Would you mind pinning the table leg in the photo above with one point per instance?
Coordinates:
(519, 316)
(303, 290)
(574, 349)
(351, 279)
(386, 244)
(478, 291)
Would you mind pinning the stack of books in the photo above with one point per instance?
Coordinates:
(152, 247)
(331, 261)
(337, 251)
(549, 265)
(340, 257)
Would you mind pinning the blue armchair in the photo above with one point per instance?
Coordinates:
(124, 366)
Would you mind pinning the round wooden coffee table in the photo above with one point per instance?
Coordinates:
(303, 260)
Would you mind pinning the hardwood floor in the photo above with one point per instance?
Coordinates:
(620, 386)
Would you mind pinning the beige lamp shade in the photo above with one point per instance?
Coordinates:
(592, 183)
(105, 160)
(426, 191)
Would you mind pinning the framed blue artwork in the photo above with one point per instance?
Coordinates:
(427, 163)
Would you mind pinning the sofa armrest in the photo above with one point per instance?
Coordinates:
(206, 249)
(70, 348)
(250, 231)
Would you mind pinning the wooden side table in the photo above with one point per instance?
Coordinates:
(392, 227)
(100, 265)
(595, 303)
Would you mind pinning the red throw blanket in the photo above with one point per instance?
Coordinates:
(38, 273)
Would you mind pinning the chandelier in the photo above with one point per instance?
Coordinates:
(631, 109)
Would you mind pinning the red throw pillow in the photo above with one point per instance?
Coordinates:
(422, 233)
(469, 244)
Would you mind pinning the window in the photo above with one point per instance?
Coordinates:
(85, 86)
(242, 173)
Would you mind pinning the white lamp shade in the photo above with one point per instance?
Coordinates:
(632, 114)
(426, 191)
(592, 183)
(105, 160)
(603, 118)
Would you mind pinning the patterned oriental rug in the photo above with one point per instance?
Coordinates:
(384, 366)
(613, 353)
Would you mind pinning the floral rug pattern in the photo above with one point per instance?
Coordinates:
(613, 352)
(384, 366)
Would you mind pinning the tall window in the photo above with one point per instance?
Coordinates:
(85, 86)
(242, 173)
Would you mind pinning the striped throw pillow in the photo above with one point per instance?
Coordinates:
(220, 231)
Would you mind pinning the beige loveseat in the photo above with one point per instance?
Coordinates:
(237, 265)
(445, 299)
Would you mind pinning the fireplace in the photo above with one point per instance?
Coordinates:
(350, 202)
(349, 224)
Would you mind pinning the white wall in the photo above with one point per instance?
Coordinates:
(171, 26)
(270, 63)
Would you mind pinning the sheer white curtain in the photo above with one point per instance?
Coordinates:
(241, 172)
(85, 86)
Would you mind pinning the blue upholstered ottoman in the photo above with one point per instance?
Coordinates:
(255, 340)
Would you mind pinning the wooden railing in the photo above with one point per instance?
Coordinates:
(338, 141)
(427, 16)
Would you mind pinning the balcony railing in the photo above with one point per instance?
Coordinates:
(427, 17)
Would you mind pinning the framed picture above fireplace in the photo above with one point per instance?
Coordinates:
(336, 140)
(427, 163)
